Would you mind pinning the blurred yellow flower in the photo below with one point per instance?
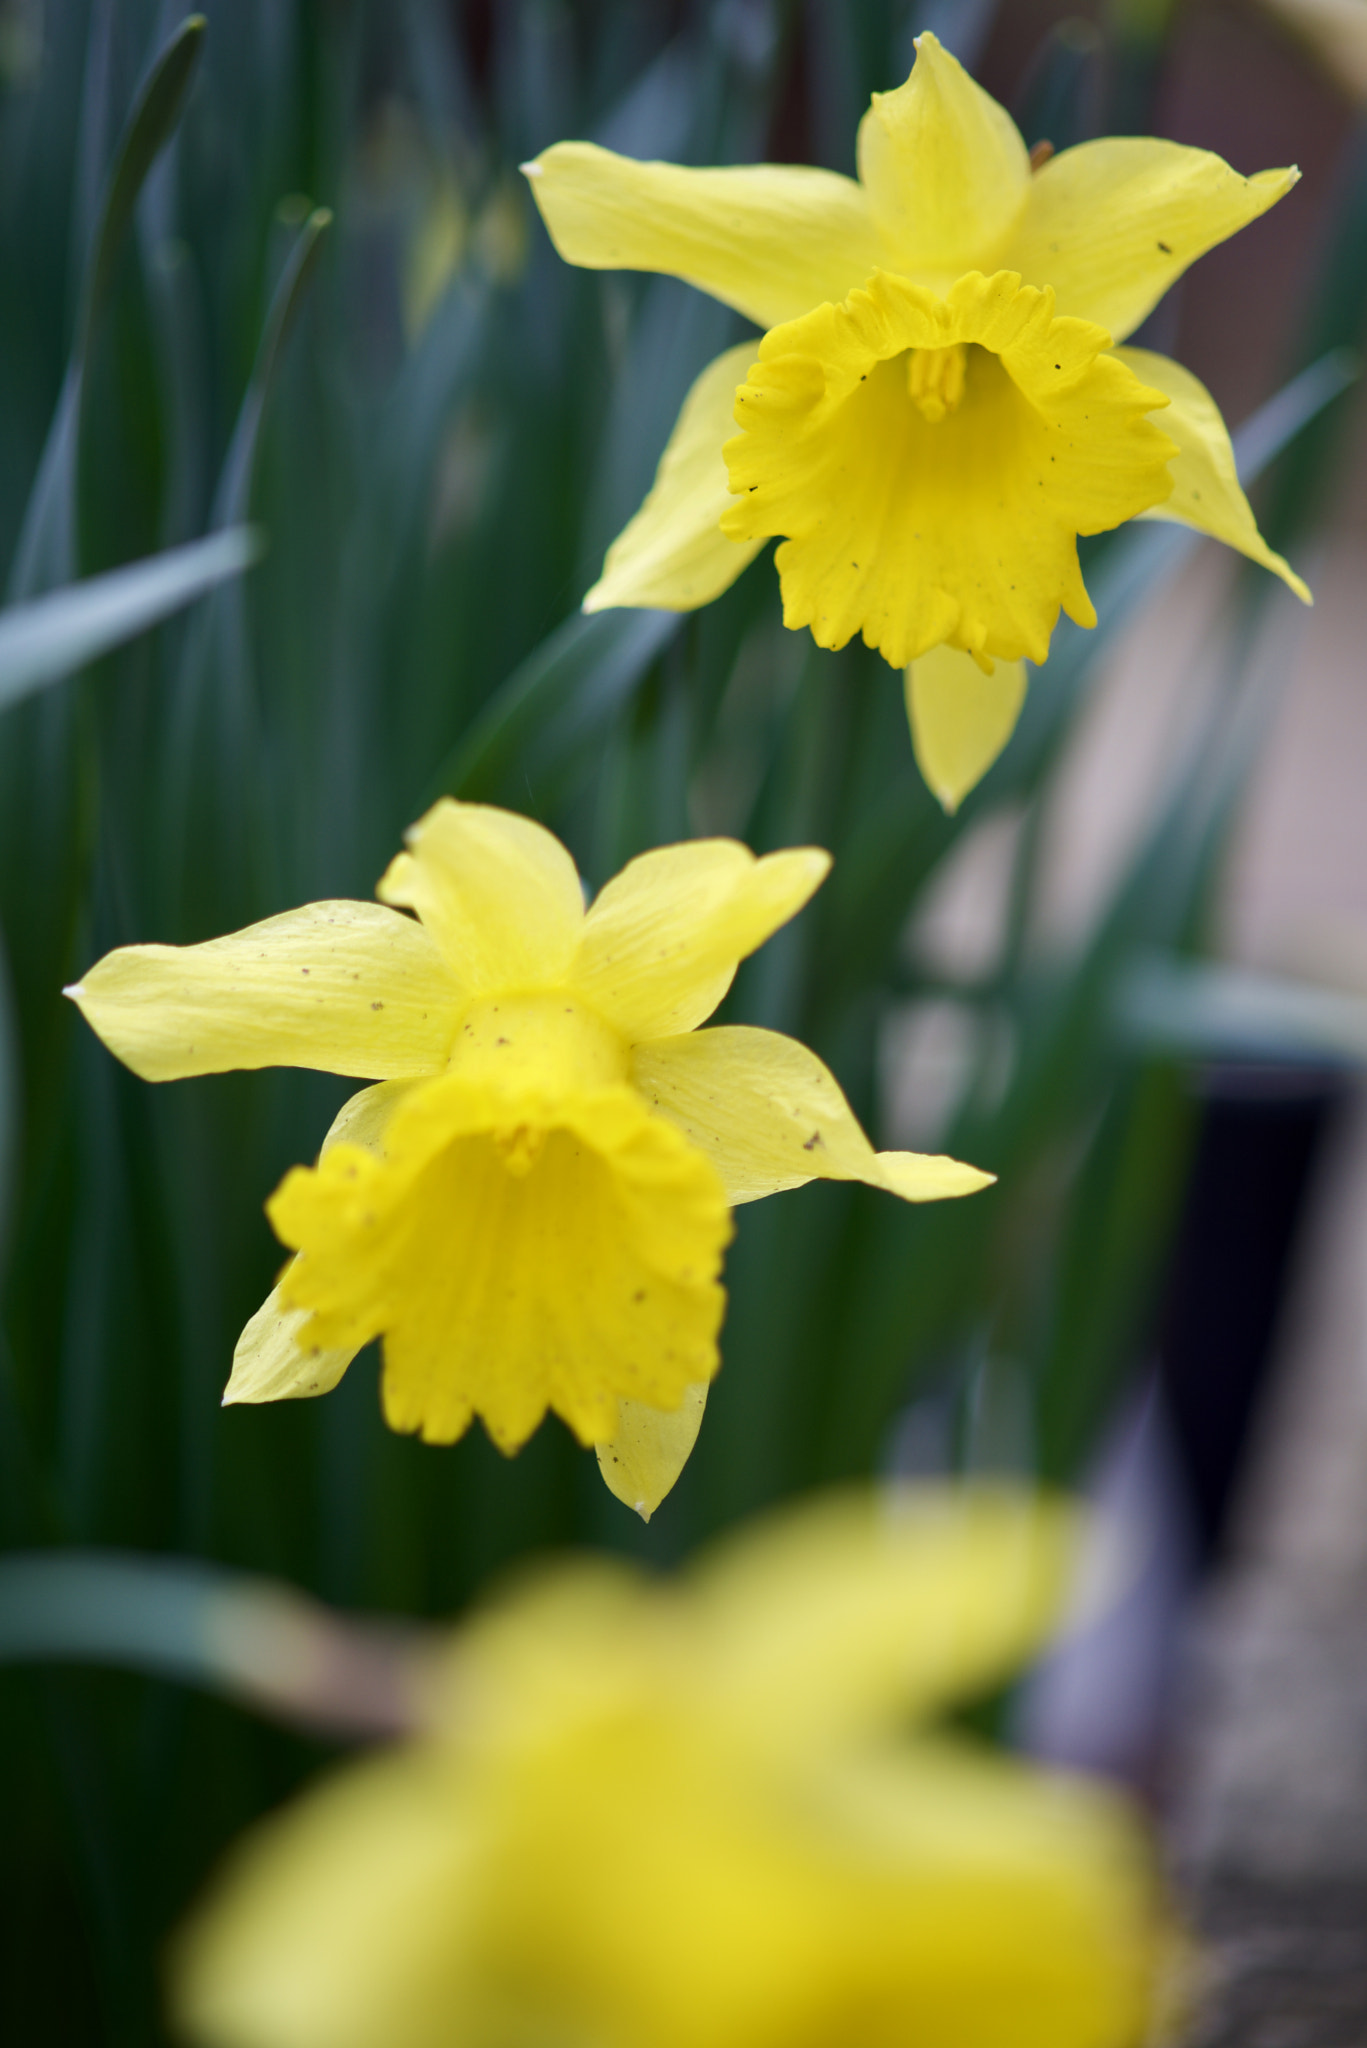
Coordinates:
(531, 1205)
(938, 408)
(648, 1816)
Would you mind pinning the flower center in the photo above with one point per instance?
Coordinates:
(928, 464)
(549, 1043)
(935, 380)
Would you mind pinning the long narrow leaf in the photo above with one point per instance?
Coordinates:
(45, 640)
(148, 129)
(234, 490)
(46, 551)
(573, 680)
(201, 1625)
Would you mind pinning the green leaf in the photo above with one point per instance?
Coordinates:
(566, 690)
(148, 129)
(1206, 1009)
(45, 640)
(196, 1623)
(46, 550)
(235, 484)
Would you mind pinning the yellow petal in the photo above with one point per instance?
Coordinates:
(650, 1449)
(769, 239)
(945, 169)
(940, 502)
(273, 1360)
(516, 1253)
(855, 1610)
(770, 1115)
(1206, 492)
(664, 938)
(960, 718)
(497, 891)
(928, 1176)
(350, 988)
(674, 553)
(347, 1922)
(1033, 1895)
(1111, 224)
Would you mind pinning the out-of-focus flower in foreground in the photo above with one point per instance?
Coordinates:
(938, 407)
(656, 1817)
(531, 1205)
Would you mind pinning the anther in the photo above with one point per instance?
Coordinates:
(935, 380)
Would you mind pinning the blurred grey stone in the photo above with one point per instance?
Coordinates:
(1268, 1807)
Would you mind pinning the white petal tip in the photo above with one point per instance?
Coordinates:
(531, 169)
(642, 1510)
(74, 991)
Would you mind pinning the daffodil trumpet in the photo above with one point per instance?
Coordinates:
(939, 404)
(531, 1203)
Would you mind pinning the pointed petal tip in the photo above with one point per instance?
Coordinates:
(930, 1177)
(532, 168)
(641, 1509)
(74, 991)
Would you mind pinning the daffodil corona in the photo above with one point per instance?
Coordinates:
(715, 1813)
(938, 406)
(531, 1204)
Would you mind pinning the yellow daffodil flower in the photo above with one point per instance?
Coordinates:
(938, 406)
(531, 1204)
(718, 1813)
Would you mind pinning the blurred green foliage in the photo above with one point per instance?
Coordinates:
(439, 426)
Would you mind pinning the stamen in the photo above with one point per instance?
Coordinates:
(521, 1146)
(935, 380)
